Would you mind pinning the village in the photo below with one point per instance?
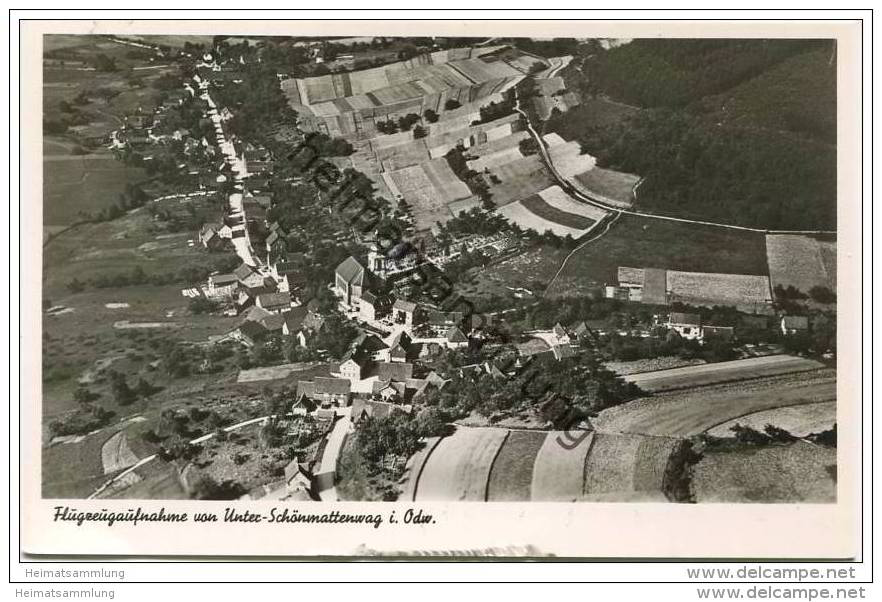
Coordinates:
(376, 339)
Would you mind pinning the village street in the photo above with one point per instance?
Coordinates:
(327, 474)
(240, 238)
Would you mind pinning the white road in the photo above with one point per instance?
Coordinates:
(327, 474)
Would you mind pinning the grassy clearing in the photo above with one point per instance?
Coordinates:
(650, 243)
(531, 270)
(87, 183)
(799, 472)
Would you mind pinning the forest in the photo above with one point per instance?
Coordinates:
(735, 131)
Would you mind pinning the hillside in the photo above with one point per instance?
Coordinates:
(736, 131)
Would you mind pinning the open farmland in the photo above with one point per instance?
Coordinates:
(459, 467)
(541, 466)
(75, 184)
(428, 188)
(613, 187)
(533, 213)
(349, 104)
(667, 245)
(798, 472)
(801, 261)
(721, 372)
(690, 412)
(512, 473)
(559, 469)
(800, 421)
(749, 293)
(519, 179)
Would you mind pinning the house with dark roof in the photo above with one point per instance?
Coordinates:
(370, 408)
(293, 320)
(274, 302)
(329, 390)
(403, 312)
(349, 281)
(393, 371)
(251, 333)
(560, 334)
(248, 276)
(372, 306)
(222, 285)
(455, 338)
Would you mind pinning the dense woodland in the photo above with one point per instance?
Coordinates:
(738, 131)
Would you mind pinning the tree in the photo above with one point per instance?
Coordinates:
(430, 115)
(822, 294)
(119, 388)
(451, 104)
(83, 396)
(419, 132)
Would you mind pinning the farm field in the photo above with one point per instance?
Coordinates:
(82, 183)
(798, 472)
(801, 420)
(535, 214)
(648, 243)
(512, 472)
(428, 188)
(721, 372)
(459, 466)
(801, 261)
(518, 180)
(541, 466)
(613, 187)
(690, 412)
(559, 469)
(747, 292)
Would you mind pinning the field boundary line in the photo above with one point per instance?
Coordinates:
(492, 464)
(609, 224)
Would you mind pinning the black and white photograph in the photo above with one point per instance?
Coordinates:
(484, 269)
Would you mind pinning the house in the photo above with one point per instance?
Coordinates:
(329, 390)
(373, 307)
(442, 321)
(686, 325)
(403, 312)
(581, 330)
(399, 347)
(349, 280)
(560, 334)
(393, 371)
(251, 333)
(248, 276)
(222, 285)
(794, 325)
(272, 322)
(293, 320)
(210, 238)
(562, 351)
(350, 369)
(455, 338)
(369, 346)
(274, 302)
(369, 408)
(644, 285)
(720, 333)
